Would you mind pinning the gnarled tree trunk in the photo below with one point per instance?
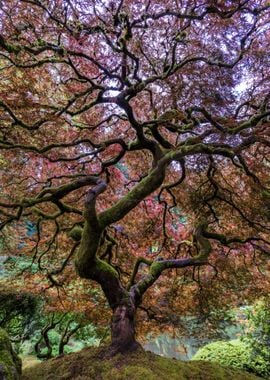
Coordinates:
(92, 265)
(123, 328)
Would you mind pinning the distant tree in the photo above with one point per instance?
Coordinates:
(135, 138)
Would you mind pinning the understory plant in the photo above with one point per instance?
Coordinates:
(252, 351)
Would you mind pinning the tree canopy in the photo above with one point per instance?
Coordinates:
(134, 140)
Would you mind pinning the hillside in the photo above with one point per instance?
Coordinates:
(87, 364)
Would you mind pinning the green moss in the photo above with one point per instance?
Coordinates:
(156, 268)
(4, 340)
(76, 233)
(102, 266)
(89, 244)
(266, 194)
(145, 187)
(87, 364)
(10, 48)
(10, 363)
(134, 372)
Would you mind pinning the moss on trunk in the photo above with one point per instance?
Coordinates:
(10, 363)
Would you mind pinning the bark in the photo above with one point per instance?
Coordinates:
(123, 328)
(89, 264)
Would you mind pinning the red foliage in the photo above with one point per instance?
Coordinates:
(116, 90)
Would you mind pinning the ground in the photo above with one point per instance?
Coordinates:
(88, 365)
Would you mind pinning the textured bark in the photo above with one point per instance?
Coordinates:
(123, 329)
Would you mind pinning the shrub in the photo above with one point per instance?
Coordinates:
(16, 311)
(258, 336)
(234, 354)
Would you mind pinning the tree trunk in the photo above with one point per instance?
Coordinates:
(123, 329)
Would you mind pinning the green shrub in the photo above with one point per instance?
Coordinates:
(234, 354)
(258, 336)
(16, 311)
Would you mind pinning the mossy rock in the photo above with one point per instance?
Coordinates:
(10, 363)
(88, 364)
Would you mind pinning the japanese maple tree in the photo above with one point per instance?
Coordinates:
(134, 136)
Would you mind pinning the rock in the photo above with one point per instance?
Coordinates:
(10, 363)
